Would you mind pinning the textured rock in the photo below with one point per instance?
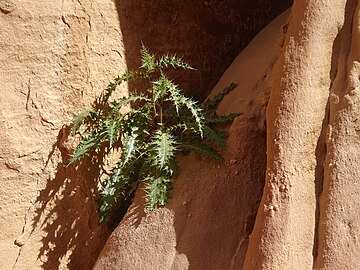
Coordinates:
(309, 211)
(308, 215)
(55, 58)
(54, 55)
(207, 222)
(339, 230)
(208, 33)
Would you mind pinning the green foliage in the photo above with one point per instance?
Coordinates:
(161, 123)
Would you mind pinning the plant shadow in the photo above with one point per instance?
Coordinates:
(67, 212)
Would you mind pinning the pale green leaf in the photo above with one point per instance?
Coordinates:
(157, 191)
(130, 145)
(164, 147)
(78, 120)
(147, 60)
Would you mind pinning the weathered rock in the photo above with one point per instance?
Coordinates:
(55, 58)
(312, 145)
(7, 6)
(210, 216)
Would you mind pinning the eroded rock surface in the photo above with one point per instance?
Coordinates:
(55, 58)
(309, 209)
(211, 214)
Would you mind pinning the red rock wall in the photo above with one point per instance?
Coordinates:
(56, 56)
(309, 210)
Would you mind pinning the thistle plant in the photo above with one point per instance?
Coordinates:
(148, 128)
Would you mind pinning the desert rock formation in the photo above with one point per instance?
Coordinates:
(308, 66)
(50, 55)
(309, 210)
(287, 195)
(207, 222)
(55, 58)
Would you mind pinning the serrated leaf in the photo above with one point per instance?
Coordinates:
(130, 145)
(218, 119)
(180, 100)
(127, 76)
(164, 147)
(176, 97)
(147, 59)
(160, 87)
(138, 118)
(124, 101)
(112, 130)
(157, 191)
(78, 120)
(174, 61)
(117, 188)
(215, 137)
(211, 104)
(198, 115)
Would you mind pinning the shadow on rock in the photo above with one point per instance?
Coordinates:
(67, 212)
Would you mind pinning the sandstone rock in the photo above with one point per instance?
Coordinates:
(211, 231)
(312, 145)
(52, 65)
(7, 6)
(56, 56)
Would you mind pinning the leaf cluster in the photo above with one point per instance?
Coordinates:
(160, 123)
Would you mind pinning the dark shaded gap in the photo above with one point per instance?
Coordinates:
(320, 154)
(207, 34)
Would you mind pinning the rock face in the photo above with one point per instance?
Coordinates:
(207, 222)
(209, 33)
(56, 56)
(309, 211)
(286, 196)
(50, 54)
(308, 214)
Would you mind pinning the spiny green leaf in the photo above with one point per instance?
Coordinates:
(138, 118)
(164, 147)
(172, 60)
(200, 148)
(79, 119)
(215, 137)
(160, 87)
(130, 145)
(147, 59)
(197, 113)
(157, 191)
(211, 104)
(123, 101)
(180, 100)
(116, 187)
(176, 97)
(218, 119)
(127, 76)
(113, 129)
